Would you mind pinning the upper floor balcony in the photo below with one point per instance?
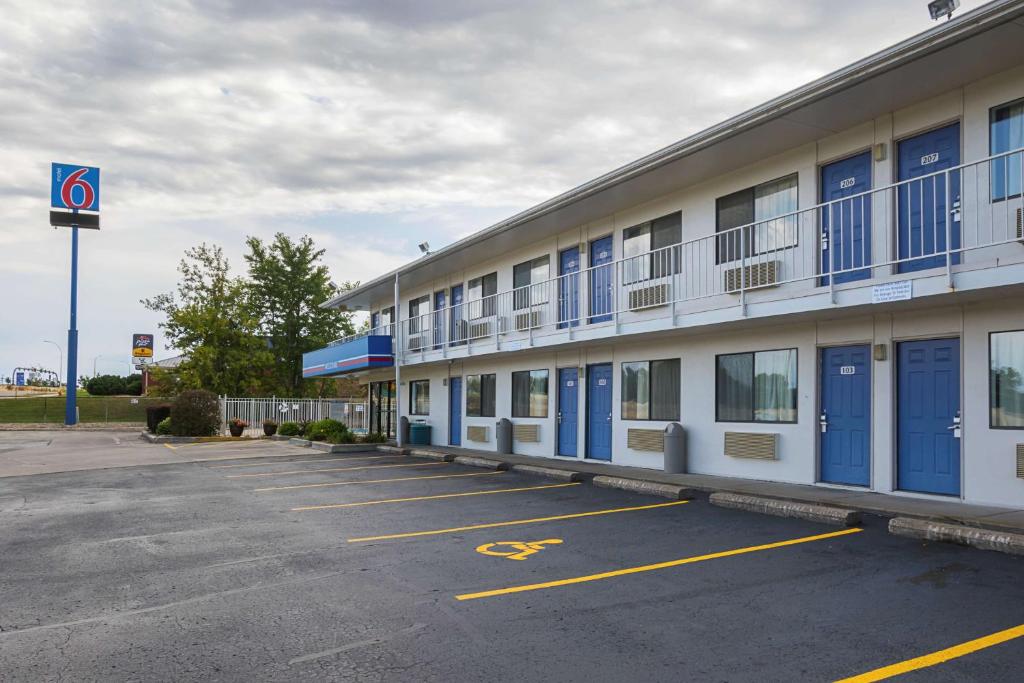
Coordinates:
(362, 351)
(944, 229)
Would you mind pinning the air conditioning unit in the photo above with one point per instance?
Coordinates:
(765, 274)
(648, 297)
(417, 343)
(529, 320)
(481, 329)
(1020, 225)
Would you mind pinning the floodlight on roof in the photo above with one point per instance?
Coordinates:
(940, 8)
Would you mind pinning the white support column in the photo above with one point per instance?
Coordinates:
(396, 344)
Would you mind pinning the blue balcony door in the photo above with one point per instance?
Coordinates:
(439, 305)
(928, 408)
(599, 412)
(845, 415)
(568, 411)
(455, 411)
(846, 225)
(923, 209)
(457, 318)
(601, 280)
(569, 288)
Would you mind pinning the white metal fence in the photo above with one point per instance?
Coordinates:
(354, 413)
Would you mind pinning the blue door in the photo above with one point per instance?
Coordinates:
(455, 411)
(924, 207)
(457, 326)
(568, 411)
(599, 411)
(846, 225)
(601, 280)
(928, 416)
(569, 288)
(439, 304)
(845, 415)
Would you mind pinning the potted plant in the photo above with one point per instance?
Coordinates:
(269, 427)
(237, 425)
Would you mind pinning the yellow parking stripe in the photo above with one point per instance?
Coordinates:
(334, 469)
(299, 462)
(372, 481)
(438, 497)
(651, 567)
(939, 657)
(516, 522)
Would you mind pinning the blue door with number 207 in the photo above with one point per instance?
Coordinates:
(845, 417)
(599, 412)
(568, 410)
(929, 202)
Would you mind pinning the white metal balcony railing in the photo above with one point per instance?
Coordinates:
(387, 330)
(936, 221)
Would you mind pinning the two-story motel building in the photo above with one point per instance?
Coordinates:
(825, 290)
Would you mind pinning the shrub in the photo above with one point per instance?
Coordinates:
(164, 427)
(342, 437)
(375, 437)
(269, 427)
(327, 430)
(289, 429)
(155, 415)
(105, 385)
(196, 413)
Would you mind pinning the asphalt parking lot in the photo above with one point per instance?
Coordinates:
(368, 566)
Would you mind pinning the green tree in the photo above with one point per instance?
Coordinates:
(209, 322)
(287, 283)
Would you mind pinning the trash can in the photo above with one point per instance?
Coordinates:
(419, 434)
(403, 430)
(675, 449)
(503, 432)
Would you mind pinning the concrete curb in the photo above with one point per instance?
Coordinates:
(341, 447)
(486, 463)
(305, 443)
(787, 508)
(985, 539)
(649, 488)
(280, 437)
(431, 455)
(164, 438)
(393, 449)
(549, 472)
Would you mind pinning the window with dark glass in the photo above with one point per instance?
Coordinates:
(1006, 133)
(480, 295)
(529, 280)
(650, 390)
(1006, 380)
(756, 387)
(480, 395)
(387, 317)
(759, 207)
(652, 236)
(530, 393)
(419, 397)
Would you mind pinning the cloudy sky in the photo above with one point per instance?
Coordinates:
(371, 125)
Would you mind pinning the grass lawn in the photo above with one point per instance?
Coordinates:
(90, 409)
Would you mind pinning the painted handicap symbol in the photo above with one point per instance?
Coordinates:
(519, 550)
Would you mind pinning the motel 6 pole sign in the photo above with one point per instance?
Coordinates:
(74, 203)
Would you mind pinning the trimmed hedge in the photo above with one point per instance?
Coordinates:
(196, 413)
(289, 429)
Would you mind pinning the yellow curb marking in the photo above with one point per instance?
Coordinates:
(520, 549)
(575, 515)
(372, 481)
(939, 657)
(438, 497)
(651, 567)
(333, 469)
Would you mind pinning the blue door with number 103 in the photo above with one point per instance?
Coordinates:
(455, 411)
(568, 410)
(599, 412)
(845, 415)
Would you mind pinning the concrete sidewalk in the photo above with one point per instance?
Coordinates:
(951, 512)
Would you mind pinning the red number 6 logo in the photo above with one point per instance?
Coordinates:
(70, 183)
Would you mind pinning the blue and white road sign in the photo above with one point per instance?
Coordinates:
(74, 187)
(19, 379)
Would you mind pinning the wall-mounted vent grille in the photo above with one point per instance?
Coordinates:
(648, 297)
(477, 330)
(476, 433)
(1020, 461)
(526, 433)
(756, 275)
(751, 445)
(1020, 224)
(527, 321)
(652, 440)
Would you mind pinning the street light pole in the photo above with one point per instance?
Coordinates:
(95, 358)
(61, 352)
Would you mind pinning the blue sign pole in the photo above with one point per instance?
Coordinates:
(71, 401)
